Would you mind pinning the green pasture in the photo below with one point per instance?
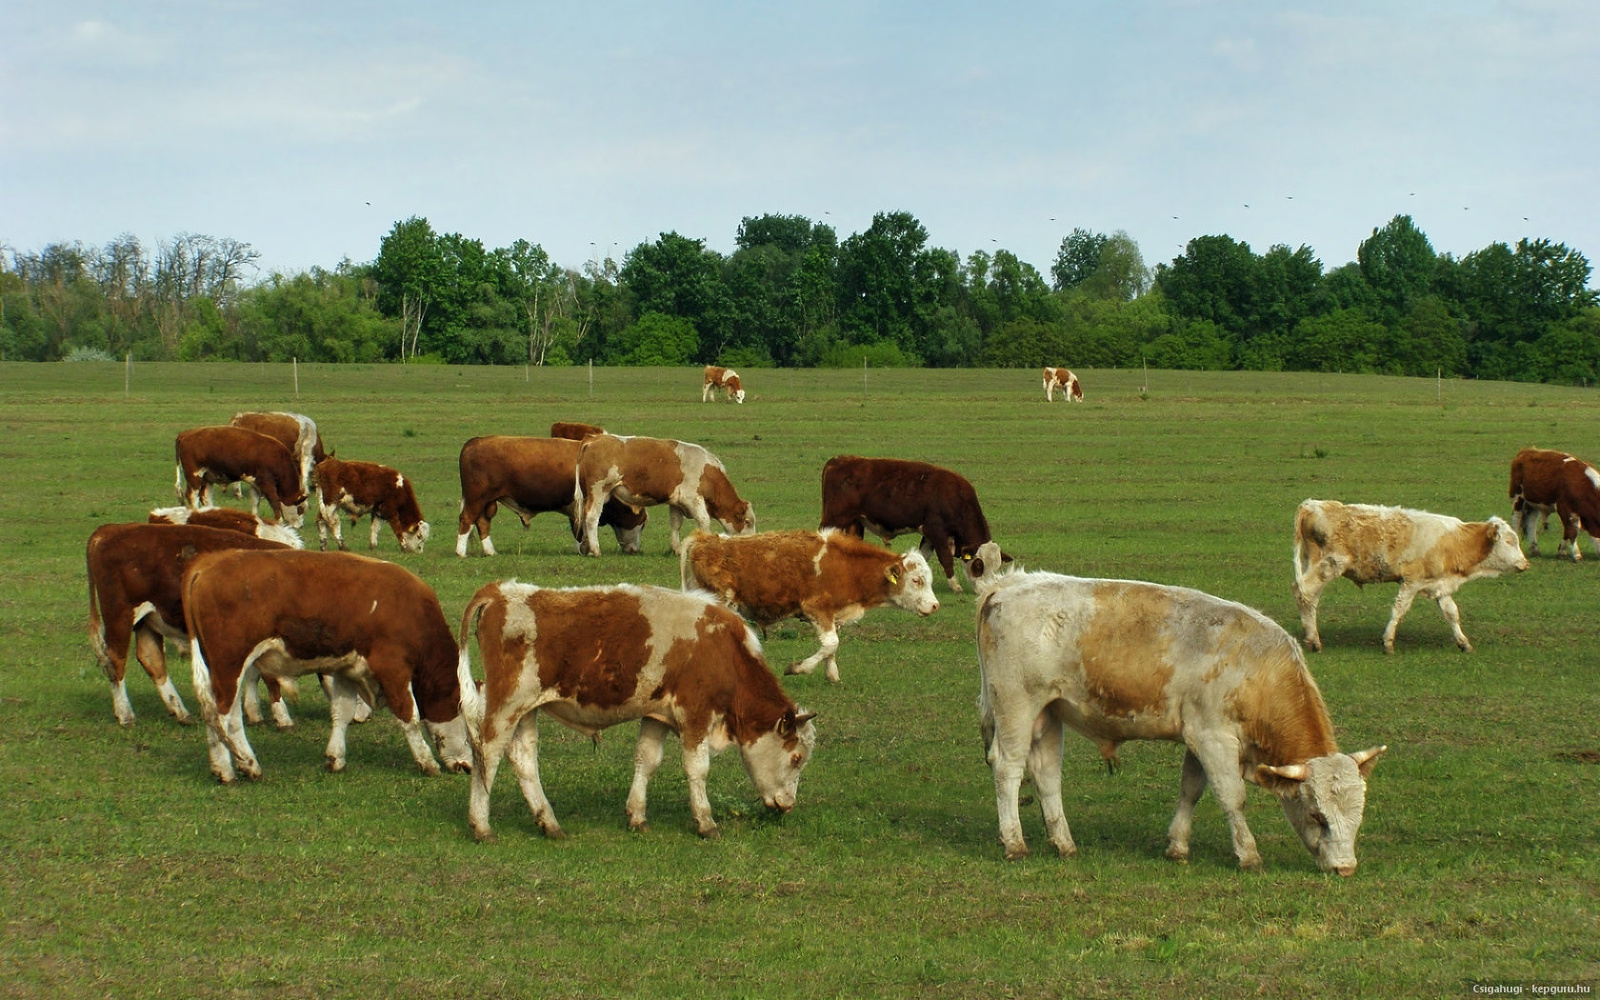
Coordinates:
(127, 871)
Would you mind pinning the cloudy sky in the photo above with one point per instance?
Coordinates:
(308, 129)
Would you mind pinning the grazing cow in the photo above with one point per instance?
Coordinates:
(725, 379)
(1122, 660)
(1427, 554)
(223, 455)
(229, 519)
(362, 488)
(530, 476)
(891, 496)
(370, 626)
(643, 472)
(1543, 481)
(1061, 378)
(572, 430)
(592, 658)
(294, 431)
(824, 577)
(134, 572)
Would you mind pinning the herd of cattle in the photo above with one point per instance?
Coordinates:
(1114, 660)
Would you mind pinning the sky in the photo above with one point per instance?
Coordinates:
(307, 130)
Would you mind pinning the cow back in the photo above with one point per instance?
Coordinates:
(133, 564)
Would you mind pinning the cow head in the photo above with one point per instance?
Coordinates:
(738, 395)
(984, 561)
(1324, 799)
(775, 759)
(740, 519)
(1505, 553)
(911, 584)
(450, 738)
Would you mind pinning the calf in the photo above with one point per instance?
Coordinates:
(228, 519)
(362, 488)
(643, 472)
(1121, 660)
(824, 577)
(371, 627)
(223, 455)
(1427, 554)
(530, 476)
(592, 658)
(1061, 378)
(294, 431)
(892, 496)
(134, 571)
(1543, 481)
(574, 431)
(725, 379)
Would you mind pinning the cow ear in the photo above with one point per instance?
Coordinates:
(892, 571)
(1004, 558)
(1367, 759)
(976, 569)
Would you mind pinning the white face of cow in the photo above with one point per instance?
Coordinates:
(630, 540)
(416, 538)
(1325, 803)
(774, 767)
(451, 739)
(743, 520)
(1506, 554)
(739, 396)
(913, 583)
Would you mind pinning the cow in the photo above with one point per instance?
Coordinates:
(134, 572)
(824, 577)
(359, 489)
(643, 472)
(1543, 481)
(595, 657)
(223, 455)
(1121, 660)
(572, 430)
(294, 431)
(530, 476)
(229, 519)
(1061, 378)
(892, 496)
(372, 627)
(725, 379)
(1427, 554)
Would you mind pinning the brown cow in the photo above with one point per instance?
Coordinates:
(1061, 378)
(643, 472)
(892, 496)
(725, 379)
(1543, 481)
(592, 658)
(371, 626)
(223, 455)
(294, 431)
(134, 572)
(824, 577)
(362, 488)
(573, 430)
(229, 519)
(530, 476)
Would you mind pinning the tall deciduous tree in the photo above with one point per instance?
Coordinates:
(409, 269)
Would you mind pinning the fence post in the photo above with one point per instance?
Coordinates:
(296, 361)
(127, 375)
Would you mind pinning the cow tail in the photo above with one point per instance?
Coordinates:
(684, 578)
(471, 699)
(1309, 531)
(177, 483)
(197, 660)
(97, 628)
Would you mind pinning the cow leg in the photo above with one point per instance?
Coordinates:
(828, 636)
(675, 519)
(524, 754)
(152, 652)
(696, 765)
(938, 545)
(389, 669)
(363, 708)
(1528, 523)
(1452, 614)
(1189, 791)
(1044, 763)
(1009, 752)
(375, 524)
(1308, 586)
(1219, 761)
(343, 697)
(646, 758)
(594, 501)
(1402, 604)
(231, 725)
(1569, 534)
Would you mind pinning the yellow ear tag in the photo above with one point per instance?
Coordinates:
(894, 576)
(967, 557)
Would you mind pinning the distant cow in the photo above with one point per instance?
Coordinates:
(294, 431)
(1061, 378)
(361, 488)
(593, 658)
(1543, 481)
(725, 379)
(224, 455)
(372, 627)
(1427, 554)
(530, 476)
(892, 496)
(134, 571)
(574, 431)
(643, 472)
(1120, 660)
(229, 519)
(824, 577)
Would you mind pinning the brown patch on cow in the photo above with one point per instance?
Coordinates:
(722, 500)
(1127, 650)
(597, 665)
(1460, 552)
(573, 430)
(1282, 711)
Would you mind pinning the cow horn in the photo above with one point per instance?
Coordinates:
(803, 718)
(1367, 759)
(1294, 772)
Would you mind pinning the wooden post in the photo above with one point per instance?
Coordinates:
(863, 376)
(127, 375)
(296, 377)
(591, 378)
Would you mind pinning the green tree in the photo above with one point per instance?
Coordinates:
(677, 276)
(1078, 259)
(409, 269)
(1398, 264)
(657, 339)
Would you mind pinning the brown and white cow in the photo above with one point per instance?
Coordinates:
(371, 627)
(530, 476)
(224, 455)
(644, 472)
(824, 577)
(1061, 378)
(1427, 554)
(572, 430)
(359, 489)
(294, 431)
(725, 379)
(1543, 481)
(892, 496)
(229, 519)
(1121, 660)
(134, 572)
(592, 658)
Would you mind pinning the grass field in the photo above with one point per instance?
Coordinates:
(127, 871)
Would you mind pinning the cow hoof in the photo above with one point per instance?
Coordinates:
(483, 836)
(1466, 647)
(799, 668)
(638, 827)
(554, 832)
(334, 765)
(1178, 854)
(1017, 853)
(1314, 645)
(1067, 850)
(711, 833)
(1250, 864)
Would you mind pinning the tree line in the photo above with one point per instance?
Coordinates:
(792, 294)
